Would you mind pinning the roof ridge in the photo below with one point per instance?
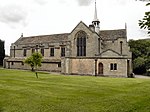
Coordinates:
(113, 30)
(43, 38)
(47, 35)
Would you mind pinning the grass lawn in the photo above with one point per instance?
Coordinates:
(21, 91)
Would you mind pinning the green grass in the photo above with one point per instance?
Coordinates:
(20, 91)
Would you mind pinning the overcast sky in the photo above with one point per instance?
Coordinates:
(43, 17)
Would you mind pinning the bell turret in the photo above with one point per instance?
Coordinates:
(96, 21)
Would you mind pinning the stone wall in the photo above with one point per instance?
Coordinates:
(83, 66)
(19, 49)
(91, 41)
(19, 52)
(121, 67)
(86, 66)
(115, 45)
(52, 66)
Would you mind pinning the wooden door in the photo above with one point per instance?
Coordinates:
(100, 69)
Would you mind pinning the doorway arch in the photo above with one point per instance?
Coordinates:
(100, 69)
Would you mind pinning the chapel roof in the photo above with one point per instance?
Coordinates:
(43, 39)
(112, 34)
(104, 34)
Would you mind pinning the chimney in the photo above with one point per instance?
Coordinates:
(92, 27)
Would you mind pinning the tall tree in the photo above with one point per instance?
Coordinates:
(30, 62)
(145, 22)
(141, 55)
(34, 61)
(2, 52)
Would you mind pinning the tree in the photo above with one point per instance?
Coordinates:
(2, 52)
(145, 22)
(34, 61)
(139, 65)
(141, 55)
(30, 62)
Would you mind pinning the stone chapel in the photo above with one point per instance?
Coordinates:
(86, 50)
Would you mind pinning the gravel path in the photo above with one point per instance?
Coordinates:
(141, 76)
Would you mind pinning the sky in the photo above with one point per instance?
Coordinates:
(44, 17)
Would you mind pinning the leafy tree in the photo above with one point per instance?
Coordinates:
(141, 55)
(34, 61)
(30, 62)
(139, 65)
(2, 52)
(145, 22)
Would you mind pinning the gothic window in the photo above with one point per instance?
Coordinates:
(22, 63)
(37, 48)
(113, 66)
(121, 47)
(62, 51)
(81, 43)
(99, 45)
(42, 52)
(33, 50)
(52, 51)
(24, 52)
(59, 64)
(14, 51)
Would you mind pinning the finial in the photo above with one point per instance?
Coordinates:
(125, 25)
(95, 13)
(95, 21)
(126, 28)
(21, 34)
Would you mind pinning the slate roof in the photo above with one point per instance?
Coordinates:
(112, 34)
(21, 59)
(104, 34)
(43, 39)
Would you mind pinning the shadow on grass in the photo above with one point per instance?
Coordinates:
(1, 109)
(42, 72)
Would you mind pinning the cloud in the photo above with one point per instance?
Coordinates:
(84, 2)
(12, 14)
(41, 2)
(16, 12)
(123, 2)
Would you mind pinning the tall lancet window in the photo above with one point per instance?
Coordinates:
(81, 43)
(121, 47)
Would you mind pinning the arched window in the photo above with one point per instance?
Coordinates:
(100, 69)
(81, 43)
(14, 51)
(121, 47)
(25, 52)
(42, 51)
